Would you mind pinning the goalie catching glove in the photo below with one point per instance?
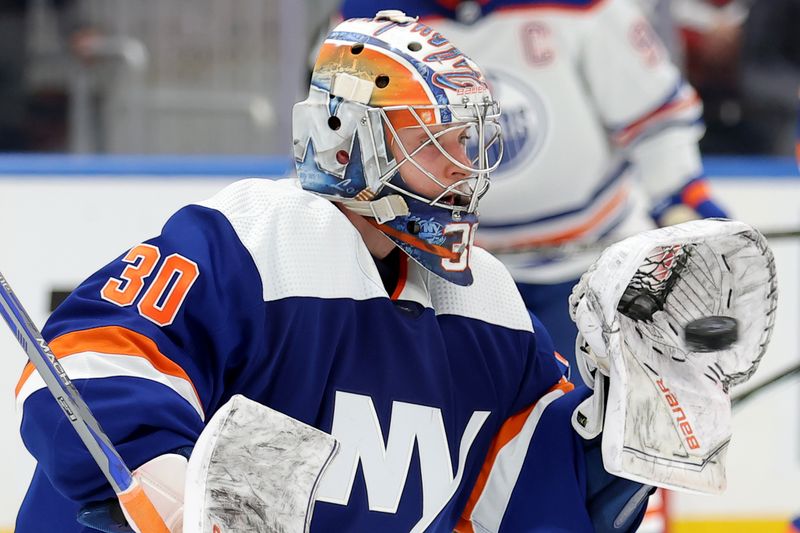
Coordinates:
(664, 408)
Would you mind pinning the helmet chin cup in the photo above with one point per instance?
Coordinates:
(438, 239)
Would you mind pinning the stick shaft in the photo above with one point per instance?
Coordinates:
(77, 412)
(746, 395)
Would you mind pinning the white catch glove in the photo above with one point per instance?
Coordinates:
(667, 412)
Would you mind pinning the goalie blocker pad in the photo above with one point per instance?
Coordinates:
(254, 469)
(667, 408)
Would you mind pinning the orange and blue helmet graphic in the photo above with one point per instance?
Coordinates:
(372, 78)
(409, 63)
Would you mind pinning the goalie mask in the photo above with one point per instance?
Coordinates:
(388, 96)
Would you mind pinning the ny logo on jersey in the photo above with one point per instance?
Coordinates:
(356, 426)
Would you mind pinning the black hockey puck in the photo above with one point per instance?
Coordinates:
(711, 333)
(638, 304)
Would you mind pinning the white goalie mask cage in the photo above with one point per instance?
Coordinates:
(374, 128)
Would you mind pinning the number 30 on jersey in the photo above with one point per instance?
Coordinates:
(166, 291)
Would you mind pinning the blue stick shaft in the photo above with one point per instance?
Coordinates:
(62, 389)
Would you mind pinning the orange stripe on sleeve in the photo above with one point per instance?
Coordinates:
(111, 340)
(26, 373)
(625, 136)
(561, 359)
(696, 193)
(577, 231)
(464, 525)
(508, 431)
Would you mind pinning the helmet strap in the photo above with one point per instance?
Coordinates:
(382, 210)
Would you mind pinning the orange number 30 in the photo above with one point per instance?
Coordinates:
(164, 297)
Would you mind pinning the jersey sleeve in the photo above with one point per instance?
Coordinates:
(543, 382)
(539, 474)
(556, 483)
(147, 341)
(544, 368)
(641, 97)
(525, 443)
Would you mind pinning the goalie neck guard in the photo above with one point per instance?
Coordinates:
(374, 78)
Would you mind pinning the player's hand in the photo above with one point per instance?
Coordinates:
(105, 516)
(164, 480)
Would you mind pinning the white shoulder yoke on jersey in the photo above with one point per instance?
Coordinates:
(303, 246)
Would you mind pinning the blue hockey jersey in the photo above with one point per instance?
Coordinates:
(268, 291)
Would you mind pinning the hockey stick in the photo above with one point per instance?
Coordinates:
(737, 400)
(560, 250)
(128, 490)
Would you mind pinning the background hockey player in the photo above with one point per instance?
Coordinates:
(601, 134)
(357, 304)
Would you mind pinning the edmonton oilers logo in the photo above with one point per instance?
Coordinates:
(523, 119)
